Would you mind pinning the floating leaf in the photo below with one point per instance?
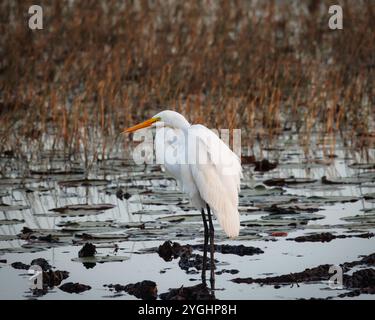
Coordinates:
(84, 183)
(6, 222)
(7, 207)
(101, 259)
(362, 166)
(181, 217)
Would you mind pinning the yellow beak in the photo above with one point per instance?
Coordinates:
(142, 125)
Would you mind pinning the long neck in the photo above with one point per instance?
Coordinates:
(182, 124)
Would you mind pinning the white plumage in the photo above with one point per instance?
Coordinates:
(203, 165)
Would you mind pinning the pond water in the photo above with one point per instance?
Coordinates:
(129, 211)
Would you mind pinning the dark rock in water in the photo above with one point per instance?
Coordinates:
(20, 266)
(369, 260)
(54, 278)
(363, 281)
(3, 261)
(197, 292)
(49, 238)
(231, 271)
(88, 250)
(191, 261)
(169, 251)
(279, 182)
(360, 279)
(319, 237)
(264, 165)
(26, 230)
(274, 209)
(145, 290)
(120, 194)
(239, 250)
(71, 287)
(43, 263)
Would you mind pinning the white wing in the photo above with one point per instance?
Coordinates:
(216, 171)
(170, 152)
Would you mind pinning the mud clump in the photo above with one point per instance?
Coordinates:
(327, 237)
(43, 263)
(231, 271)
(239, 250)
(88, 250)
(188, 262)
(120, 194)
(169, 251)
(20, 266)
(197, 292)
(71, 287)
(360, 279)
(264, 165)
(54, 278)
(145, 290)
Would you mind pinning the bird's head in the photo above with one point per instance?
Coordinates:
(165, 118)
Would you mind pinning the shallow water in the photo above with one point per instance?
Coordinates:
(40, 193)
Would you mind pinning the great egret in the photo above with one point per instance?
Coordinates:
(204, 167)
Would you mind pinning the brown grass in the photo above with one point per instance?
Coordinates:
(262, 66)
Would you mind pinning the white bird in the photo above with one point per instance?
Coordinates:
(205, 168)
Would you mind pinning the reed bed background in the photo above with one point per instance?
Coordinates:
(265, 67)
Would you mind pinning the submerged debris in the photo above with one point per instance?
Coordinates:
(145, 290)
(362, 281)
(192, 261)
(71, 287)
(197, 292)
(287, 181)
(265, 165)
(327, 237)
(54, 278)
(120, 194)
(239, 250)
(88, 250)
(169, 251)
(231, 271)
(20, 266)
(43, 263)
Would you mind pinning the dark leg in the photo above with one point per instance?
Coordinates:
(212, 247)
(204, 266)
